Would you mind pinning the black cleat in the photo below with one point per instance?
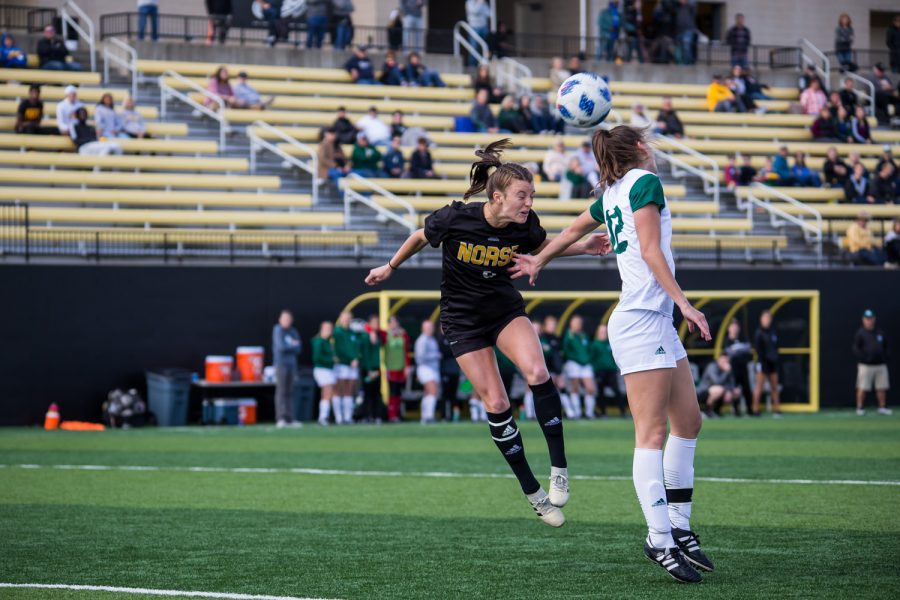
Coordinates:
(674, 562)
(689, 544)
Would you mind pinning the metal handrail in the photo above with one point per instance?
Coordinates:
(823, 69)
(129, 64)
(869, 85)
(88, 36)
(166, 91)
(775, 213)
(351, 196)
(461, 40)
(257, 143)
(506, 69)
(711, 181)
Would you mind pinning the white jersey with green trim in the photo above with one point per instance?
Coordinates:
(615, 208)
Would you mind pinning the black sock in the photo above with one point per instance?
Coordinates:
(548, 410)
(505, 434)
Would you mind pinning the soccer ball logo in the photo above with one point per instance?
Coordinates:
(584, 100)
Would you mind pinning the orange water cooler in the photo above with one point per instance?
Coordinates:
(218, 368)
(250, 362)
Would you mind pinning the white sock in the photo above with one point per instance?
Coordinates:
(324, 410)
(429, 403)
(566, 401)
(529, 405)
(647, 473)
(575, 403)
(348, 409)
(678, 466)
(590, 405)
(475, 409)
(336, 409)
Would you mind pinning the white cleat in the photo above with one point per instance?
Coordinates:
(860, 412)
(546, 512)
(885, 411)
(559, 487)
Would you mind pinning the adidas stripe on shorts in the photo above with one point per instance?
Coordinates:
(643, 340)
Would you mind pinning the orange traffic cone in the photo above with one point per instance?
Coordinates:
(51, 421)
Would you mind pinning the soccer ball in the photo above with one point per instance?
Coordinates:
(584, 100)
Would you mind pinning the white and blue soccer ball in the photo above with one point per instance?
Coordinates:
(584, 100)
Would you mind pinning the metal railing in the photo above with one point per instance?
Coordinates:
(66, 13)
(868, 95)
(513, 75)
(166, 91)
(710, 176)
(257, 144)
(810, 54)
(811, 232)
(25, 18)
(112, 55)
(462, 33)
(351, 196)
(863, 58)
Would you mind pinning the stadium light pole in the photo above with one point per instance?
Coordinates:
(582, 25)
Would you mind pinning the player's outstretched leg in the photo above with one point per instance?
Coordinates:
(548, 411)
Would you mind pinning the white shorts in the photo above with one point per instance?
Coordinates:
(643, 340)
(426, 374)
(573, 370)
(869, 376)
(324, 376)
(343, 372)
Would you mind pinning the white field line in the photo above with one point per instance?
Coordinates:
(148, 592)
(434, 474)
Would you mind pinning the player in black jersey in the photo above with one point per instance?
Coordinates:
(480, 308)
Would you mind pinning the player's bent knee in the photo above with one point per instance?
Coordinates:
(495, 403)
(537, 375)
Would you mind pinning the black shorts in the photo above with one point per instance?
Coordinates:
(768, 367)
(462, 341)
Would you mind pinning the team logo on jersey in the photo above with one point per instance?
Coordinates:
(488, 256)
(488, 274)
(614, 226)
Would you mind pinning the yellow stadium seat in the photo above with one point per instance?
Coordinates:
(231, 218)
(57, 93)
(154, 129)
(728, 242)
(804, 194)
(58, 142)
(191, 198)
(770, 148)
(50, 77)
(158, 180)
(184, 235)
(9, 107)
(141, 163)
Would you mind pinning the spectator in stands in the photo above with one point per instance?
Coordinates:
(394, 164)
(717, 387)
(542, 119)
(843, 42)
(342, 17)
(608, 25)
(884, 184)
(731, 172)
(854, 159)
(220, 85)
(859, 127)
(632, 22)
(686, 30)
(836, 171)
(420, 164)
(500, 41)
(834, 100)
(84, 136)
(558, 73)
(397, 125)
(478, 16)
(65, 109)
(871, 349)
(413, 24)
(395, 31)
(858, 190)
(738, 86)
(246, 96)
(53, 54)
(886, 157)
(417, 74)
(483, 81)
(526, 114)
(802, 175)
(132, 122)
(755, 89)
(574, 65)
(360, 67)
(148, 9)
(220, 14)
(106, 120)
(344, 129)
(661, 30)
(781, 168)
(555, 161)
(892, 245)
(808, 75)
(767, 173)
(365, 158)
(747, 173)
(271, 14)
(823, 127)
(31, 112)
(842, 125)
(510, 120)
(482, 117)
(377, 131)
(639, 118)
(719, 98)
(316, 22)
(578, 185)
(860, 244)
(740, 353)
(332, 162)
(813, 99)
(738, 39)
(667, 121)
(390, 71)
(11, 56)
(848, 96)
(885, 95)
(285, 351)
(892, 40)
(585, 156)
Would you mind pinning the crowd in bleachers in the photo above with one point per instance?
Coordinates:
(51, 51)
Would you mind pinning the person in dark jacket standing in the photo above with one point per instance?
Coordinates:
(871, 349)
(285, 350)
(53, 54)
(220, 15)
(740, 353)
(370, 370)
(738, 38)
(765, 342)
(316, 19)
(420, 163)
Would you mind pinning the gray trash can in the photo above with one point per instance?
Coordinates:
(168, 394)
(304, 395)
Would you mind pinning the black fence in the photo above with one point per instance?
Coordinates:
(25, 18)
(864, 59)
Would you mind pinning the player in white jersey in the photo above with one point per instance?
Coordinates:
(644, 341)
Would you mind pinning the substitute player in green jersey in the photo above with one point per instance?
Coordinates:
(323, 369)
(645, 344)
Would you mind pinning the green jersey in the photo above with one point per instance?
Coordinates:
(602, 356)
(322, 352)
(346, 345)
(369, 353)
(576, 347)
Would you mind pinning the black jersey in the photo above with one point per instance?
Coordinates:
(475, 286)
(766, 344)
(552, 348)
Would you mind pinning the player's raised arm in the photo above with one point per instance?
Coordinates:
(413, 244)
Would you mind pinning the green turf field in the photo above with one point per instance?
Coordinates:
(402, 534)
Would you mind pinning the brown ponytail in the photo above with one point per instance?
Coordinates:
(617, 151)
(480, 177)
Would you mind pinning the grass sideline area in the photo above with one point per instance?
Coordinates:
(248, 524)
